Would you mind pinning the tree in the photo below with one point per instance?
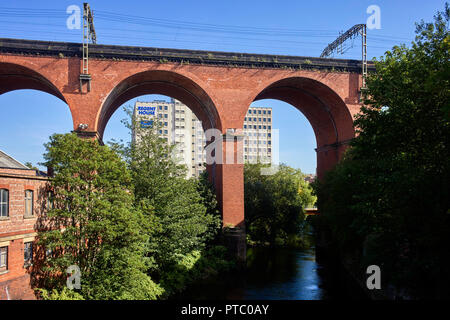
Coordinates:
(274, 203)
(93, 223)
(183, 213)
(30, 165)
(388, 201)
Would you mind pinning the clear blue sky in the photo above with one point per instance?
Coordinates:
(28, 117)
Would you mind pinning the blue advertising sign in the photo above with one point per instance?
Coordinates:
(146, 110)
(146, 123)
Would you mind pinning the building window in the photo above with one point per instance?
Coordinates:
(50, 200)
(28, 253)
(3, 258)
(48, 253)
(28, 202)
(4, 203)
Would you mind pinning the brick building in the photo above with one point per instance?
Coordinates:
(22, 192)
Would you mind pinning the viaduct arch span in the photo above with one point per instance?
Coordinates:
(218, 86)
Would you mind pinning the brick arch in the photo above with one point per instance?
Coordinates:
(327, 113)
(17, 77)
(162, 82)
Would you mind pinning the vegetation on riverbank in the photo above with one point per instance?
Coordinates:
(274, 206)
(388, 202)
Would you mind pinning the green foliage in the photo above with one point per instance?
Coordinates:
(195, 266)
(388, 201)
(274, 203)
(183, 212)
(64, 294)
(30, 165)
(93, 223)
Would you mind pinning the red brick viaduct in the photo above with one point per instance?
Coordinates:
(219, 87)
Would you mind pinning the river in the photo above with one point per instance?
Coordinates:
(280, 274)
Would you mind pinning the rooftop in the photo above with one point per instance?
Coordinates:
(6, 161)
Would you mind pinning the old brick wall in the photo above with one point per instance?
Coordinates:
(17, 229)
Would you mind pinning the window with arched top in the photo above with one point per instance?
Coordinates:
(4, 203)
(28, 202)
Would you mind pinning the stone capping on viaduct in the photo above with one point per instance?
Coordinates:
(232, 59)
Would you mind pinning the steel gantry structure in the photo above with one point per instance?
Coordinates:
(353, 32)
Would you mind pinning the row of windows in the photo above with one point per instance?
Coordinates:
(260, 158)
(166, 108)
(257, 134)
(257, 127)
(257, 142)
(27, 256)
(254, 111)
(258, 119)
(4, 202)
(258, 149)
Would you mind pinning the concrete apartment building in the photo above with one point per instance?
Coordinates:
(22, 194)
(180, 125)
(258, 135)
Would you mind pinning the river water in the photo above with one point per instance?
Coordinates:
(280, 274)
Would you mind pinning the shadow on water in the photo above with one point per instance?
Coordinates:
(280, 274)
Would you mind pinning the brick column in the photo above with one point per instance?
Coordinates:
(229, 181)
(328, 156)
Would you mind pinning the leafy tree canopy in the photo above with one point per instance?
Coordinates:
(93, 224)
(274, 203)
(388, 201)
